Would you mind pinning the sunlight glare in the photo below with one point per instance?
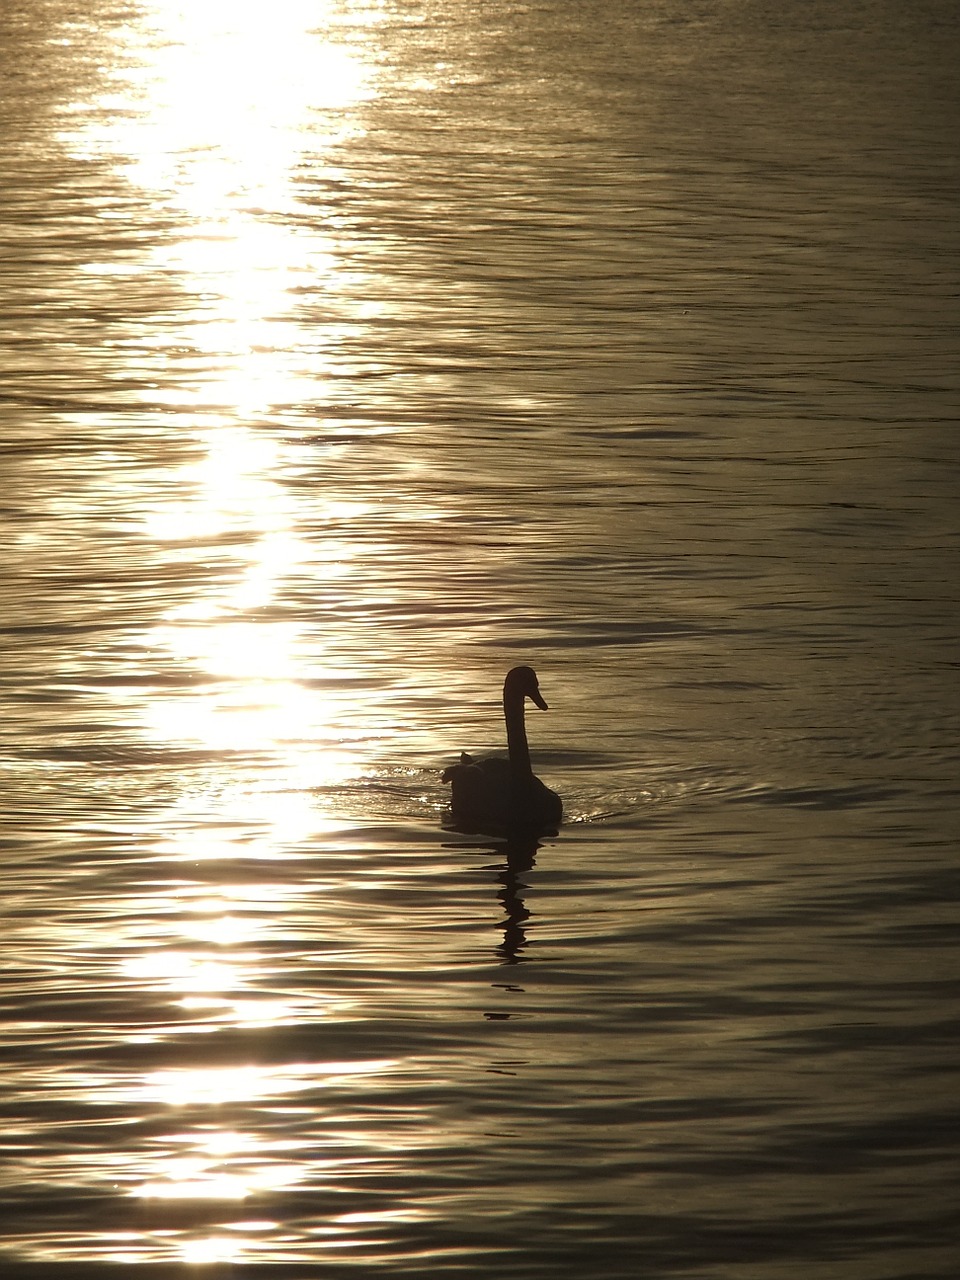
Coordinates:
(266, 688)
(211, 1250)
(191, 1087)
(223, 88)
(182, 971)
(214, 109)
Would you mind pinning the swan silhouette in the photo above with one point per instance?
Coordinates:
(495, 795)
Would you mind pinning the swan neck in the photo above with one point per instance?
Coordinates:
(517, 748)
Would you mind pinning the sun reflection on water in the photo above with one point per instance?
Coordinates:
(214, 116)
(214, 110)
(219, 1164)
(221, 115)
(264, 680)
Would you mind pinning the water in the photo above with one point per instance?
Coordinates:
(356, 352)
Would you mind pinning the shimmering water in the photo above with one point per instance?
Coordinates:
(353, 353)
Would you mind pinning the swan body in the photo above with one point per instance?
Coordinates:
(492, 794)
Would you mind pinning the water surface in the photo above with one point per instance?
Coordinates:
(354, 353)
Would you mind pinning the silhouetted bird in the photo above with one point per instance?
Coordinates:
(497, 795)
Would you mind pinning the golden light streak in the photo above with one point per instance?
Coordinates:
(215, 111)
(206, 1086)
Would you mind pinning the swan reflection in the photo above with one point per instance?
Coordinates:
(519, 856)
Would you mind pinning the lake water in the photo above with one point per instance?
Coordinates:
(355, 352)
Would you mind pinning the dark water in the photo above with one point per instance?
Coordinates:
(354, 353)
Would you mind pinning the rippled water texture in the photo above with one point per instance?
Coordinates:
(353, 353)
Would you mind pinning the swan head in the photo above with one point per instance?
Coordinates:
(521, 682)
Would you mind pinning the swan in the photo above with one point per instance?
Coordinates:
(493, 794)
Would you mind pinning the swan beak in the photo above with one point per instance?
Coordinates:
(536, 697)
